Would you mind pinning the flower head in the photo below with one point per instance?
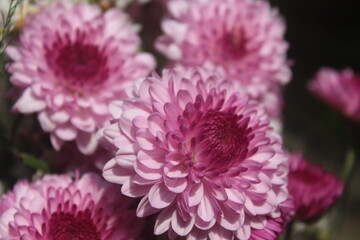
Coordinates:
(58, 208)
(339, 89)
(197, 150)
(240, 39)
(72, 61)
(313, 189)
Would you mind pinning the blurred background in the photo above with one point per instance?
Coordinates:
(320, 33)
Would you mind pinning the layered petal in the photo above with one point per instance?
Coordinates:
(200, 152)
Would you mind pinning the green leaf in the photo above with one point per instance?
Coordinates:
(6, 29)
(34, 162)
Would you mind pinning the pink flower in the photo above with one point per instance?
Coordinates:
(240, 39)
(200, 153)
(58, 208)
(313, 189)
(275, 226)
(339, 89)
(72, 61)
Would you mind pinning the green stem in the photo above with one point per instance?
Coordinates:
(6, 29)
(348, 167)
(347, 176)
(289, 229)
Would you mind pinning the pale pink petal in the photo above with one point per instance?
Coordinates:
(163, 221)
(66, 132)
(46, 122)
(28, 103)
(86, 142)
(159, 198)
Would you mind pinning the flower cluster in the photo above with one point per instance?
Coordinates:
(195, 145)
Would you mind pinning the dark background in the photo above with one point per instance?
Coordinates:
(321, 33)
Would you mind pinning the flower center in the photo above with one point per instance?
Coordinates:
(67, 226)
(221, 138)
(232, 46)
(81, 65)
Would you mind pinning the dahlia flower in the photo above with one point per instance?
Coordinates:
(313, 189)
(73, 60)
(200, 153)
(56, 207)
(242, 40)
(339, 89)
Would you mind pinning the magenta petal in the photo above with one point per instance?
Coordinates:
(313, 189)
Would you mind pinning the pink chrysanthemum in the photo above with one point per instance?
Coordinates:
(58, 208)
(199, 152)
(72, 61)
(339, 89)
(242, 40)
(313, 189)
